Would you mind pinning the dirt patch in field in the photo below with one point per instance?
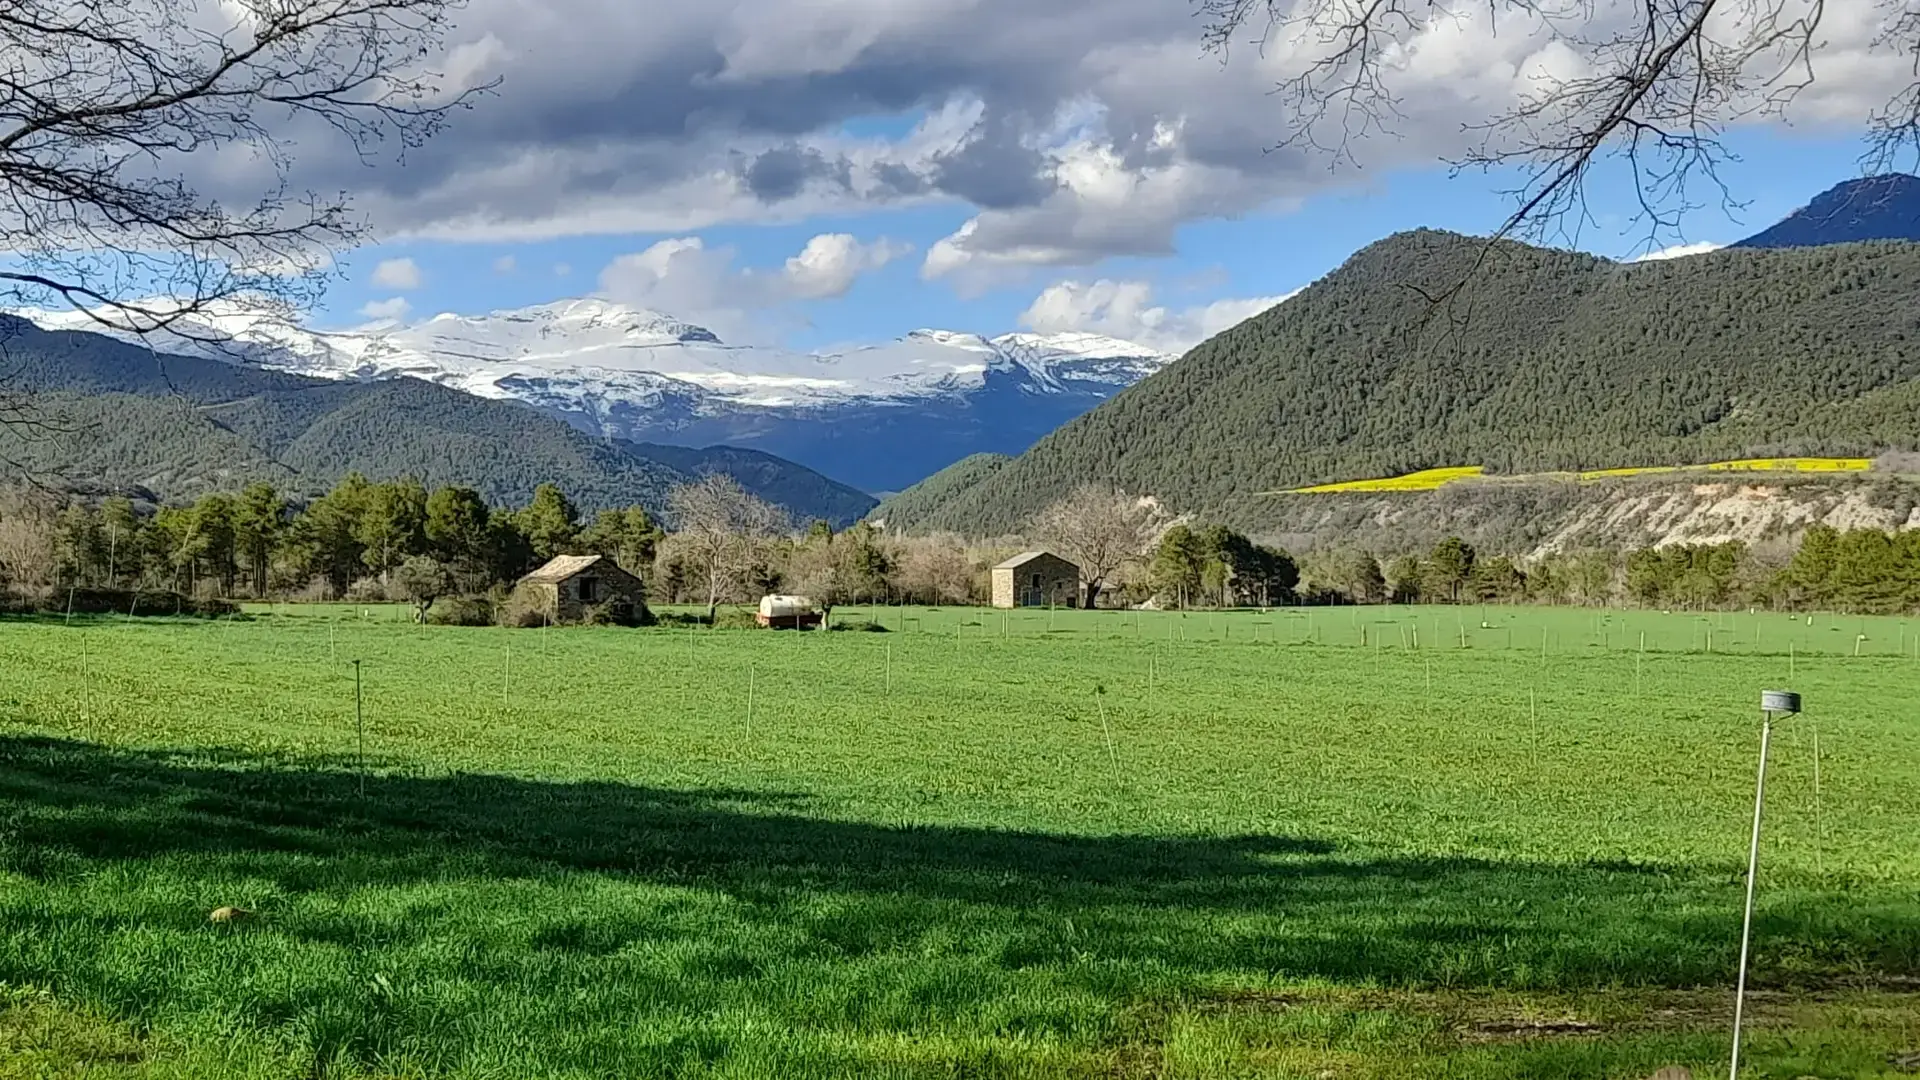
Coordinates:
(1478, 1016)
(1530, 1029)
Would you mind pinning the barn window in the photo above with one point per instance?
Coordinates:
(1036, 581)
(589, 590)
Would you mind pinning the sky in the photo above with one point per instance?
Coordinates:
(816, 173)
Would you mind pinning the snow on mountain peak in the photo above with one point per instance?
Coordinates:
(951, 338)
(597, 350)
(590, 315)
(1074, 343)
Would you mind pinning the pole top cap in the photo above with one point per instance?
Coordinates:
(1779, 701)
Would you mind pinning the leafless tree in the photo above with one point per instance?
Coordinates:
(29, 547)
(1099, 529)
(102, 102)
(1654, 83)
(725, 531)
(936, 570)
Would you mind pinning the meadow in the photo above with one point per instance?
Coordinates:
(1370, 842)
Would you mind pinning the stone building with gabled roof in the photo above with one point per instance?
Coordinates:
(1036, 579)
(570, 587)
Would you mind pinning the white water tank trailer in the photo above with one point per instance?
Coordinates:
(782, 612)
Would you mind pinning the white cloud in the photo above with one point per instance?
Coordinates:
(685, 278)
(676, 276)
(1102, 207)
(1678, 251)
(397, 274)
(1075, 130)
(505, 264)
(1126, 310)
(829, 264)
(394, 308)
(561, 269)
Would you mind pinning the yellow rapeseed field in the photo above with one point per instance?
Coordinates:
(1424, 480)
(1433, 479)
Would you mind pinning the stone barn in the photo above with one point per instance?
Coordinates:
(571, 585)
(1036, 579)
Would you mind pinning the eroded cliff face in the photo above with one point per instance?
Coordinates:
(1537, 517)
(1715, 513)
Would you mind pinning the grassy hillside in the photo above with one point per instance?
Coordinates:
(1545, 361)
(116, 415)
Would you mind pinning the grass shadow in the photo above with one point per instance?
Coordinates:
(1295, 907)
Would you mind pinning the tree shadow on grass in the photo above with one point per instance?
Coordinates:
(1286, 906)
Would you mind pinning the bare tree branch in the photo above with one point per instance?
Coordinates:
(725, 530)
(1893, 133)
(1098, 529)
(1650, 84)
(101, 101)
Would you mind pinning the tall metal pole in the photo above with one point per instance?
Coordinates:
(1753, 872)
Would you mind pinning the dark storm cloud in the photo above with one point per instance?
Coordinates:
(995, 168)
(603, 99)
(896, 180)
(782, 172)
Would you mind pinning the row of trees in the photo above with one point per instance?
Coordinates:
(259, 543)
(1183, 565)
(398, 539)
(1869, 571)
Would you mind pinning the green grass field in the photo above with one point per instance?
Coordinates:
(1062, 844)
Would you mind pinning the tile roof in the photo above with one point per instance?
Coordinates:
(560, 568)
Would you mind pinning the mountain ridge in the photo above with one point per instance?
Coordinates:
(1546, 360)
(612, 370)
(1882, 207)
(205, 425)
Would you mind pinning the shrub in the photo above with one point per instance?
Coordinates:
(318, 590)
(524, 609)
(861, 626)
(462, 611)
(735, 619)
(114, 602)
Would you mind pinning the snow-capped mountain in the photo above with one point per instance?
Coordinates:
(879, 416)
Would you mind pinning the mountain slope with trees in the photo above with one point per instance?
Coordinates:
(1885, 207)
(924, 499)
(1430, 349)
(106, 414)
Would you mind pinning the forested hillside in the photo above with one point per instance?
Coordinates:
(923, 500)
(111, 415)
(1544, 360)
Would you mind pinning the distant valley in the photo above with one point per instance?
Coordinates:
(878, 418)
(103, 415)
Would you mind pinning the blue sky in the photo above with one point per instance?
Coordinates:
(1266, 252)
(817, 172)
(812, 173)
